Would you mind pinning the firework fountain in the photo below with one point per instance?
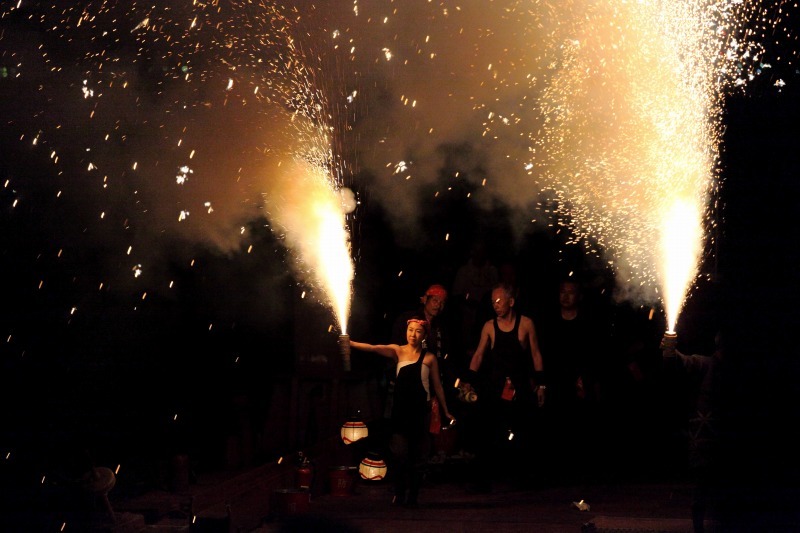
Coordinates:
(223, 116)
(603, 117)
(632, 105)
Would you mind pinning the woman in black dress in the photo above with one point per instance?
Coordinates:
(417, 377)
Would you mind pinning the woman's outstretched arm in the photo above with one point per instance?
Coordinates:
(386, 350)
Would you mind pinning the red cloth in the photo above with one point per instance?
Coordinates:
(436, 418)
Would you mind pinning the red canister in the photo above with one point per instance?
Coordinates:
(341, 480)
(305, 475)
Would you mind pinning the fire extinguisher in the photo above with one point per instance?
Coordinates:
(305, 472)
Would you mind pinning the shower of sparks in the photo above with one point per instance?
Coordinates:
(312, 215)
(596, 114)
(156, 85)
(611, 107)
(631, 101)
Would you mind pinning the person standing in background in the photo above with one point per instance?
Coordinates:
(576, 353)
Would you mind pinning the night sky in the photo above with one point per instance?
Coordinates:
(117, 316)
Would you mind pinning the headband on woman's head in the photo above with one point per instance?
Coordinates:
(423, 323)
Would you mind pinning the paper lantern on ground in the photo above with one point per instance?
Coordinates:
(372, 467)
(353, 430)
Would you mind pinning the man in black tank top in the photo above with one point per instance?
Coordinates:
(507, 371)
(507, 359)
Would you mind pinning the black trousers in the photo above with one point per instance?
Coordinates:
(410, 450)
(504, 439)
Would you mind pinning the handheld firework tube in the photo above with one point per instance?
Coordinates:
(467, 395)
(344, 349)
(466, 390)
(669, 343)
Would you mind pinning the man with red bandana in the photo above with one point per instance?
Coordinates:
(431, 308)
(438, 342)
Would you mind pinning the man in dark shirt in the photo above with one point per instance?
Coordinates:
(575, 354)
(508, 364)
